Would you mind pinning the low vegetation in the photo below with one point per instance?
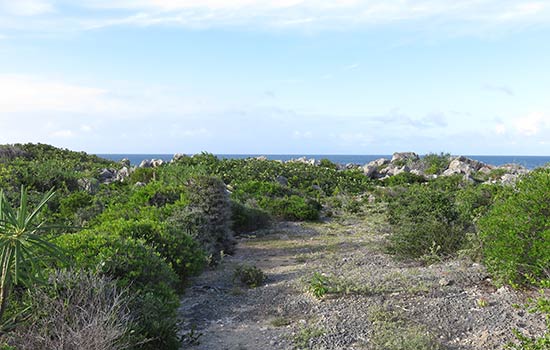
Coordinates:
(129, 243)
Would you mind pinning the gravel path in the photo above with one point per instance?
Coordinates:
(376, 302)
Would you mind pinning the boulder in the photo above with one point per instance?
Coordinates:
(155, 163)
(146, 163)
(379, 162)
(418, 172)
(177, 157)
(404, 156)
(303, 160)
(281, 180)
(509, 179)
(261, 158)
(125, 162)
(107, 175)
(370, 171)
(515, 169)
(393, 169)
(89, 185)
(122, 174)
(463, 165)
(349, 166)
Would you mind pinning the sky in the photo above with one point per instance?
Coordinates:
(277, 76)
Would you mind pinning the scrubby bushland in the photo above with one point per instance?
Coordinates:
(73, 310)
(516, 232)
(247, 219)
(404, 178)
(435, 164)
(138, 267)
(438, 218)
(250, 276)
(278, 200)
(180, 251)
(207, 217)
(425, 222)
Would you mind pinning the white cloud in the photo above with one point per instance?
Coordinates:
(500, 129)
(26, 7)
(20, 93)
(532, 124)
(500, 89)
(64, 133)
(291, 14)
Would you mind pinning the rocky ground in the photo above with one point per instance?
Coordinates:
(373, 301)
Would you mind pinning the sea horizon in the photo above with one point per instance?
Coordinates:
(529, 162)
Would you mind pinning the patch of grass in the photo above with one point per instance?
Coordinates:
(391, 331)
(322, 285)
(249, 275)
(280, 322)
(318, 285)
(302, 339)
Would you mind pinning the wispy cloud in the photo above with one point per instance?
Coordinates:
(26, 7)
(532, 124)
(275, 14)
(429, 121)
(500, 89)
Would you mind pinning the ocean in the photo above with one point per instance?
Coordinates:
(529, 162)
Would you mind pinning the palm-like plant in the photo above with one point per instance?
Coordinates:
(21, 246)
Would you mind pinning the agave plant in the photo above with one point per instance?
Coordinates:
(22, 249)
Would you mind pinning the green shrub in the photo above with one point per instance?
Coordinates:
(292, 208)
(435, 164)
(404, 178)
(139, 268)
(516, 232)
(251, 276)
(208, 217)
(247, 219)
(143, 175)
(182, 253)
(325, 163)
(425, 222)
(318, 285)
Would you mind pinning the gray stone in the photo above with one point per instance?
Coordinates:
(125, 162)
(404, 156)
(155, 163)
(146, 163)
(89, 185)
(122, 174)
(283, 181)
(177, 157)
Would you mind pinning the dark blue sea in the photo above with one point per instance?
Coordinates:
(529, 162)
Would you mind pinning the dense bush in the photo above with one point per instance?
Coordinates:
(516, 232)
(207, 217)
(425, 222)
(278, 200)
(435, 164)
(139, 268)
(182, 253)
(250, 276)
(404, 178)
(247, 219)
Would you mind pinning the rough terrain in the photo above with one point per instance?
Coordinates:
(374, 302)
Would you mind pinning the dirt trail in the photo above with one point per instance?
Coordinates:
(374, 300)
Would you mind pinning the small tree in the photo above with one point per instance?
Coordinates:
(21, 244)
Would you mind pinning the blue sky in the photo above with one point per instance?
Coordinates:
(286, 76)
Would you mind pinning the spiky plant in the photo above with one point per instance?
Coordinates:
(23, 250)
